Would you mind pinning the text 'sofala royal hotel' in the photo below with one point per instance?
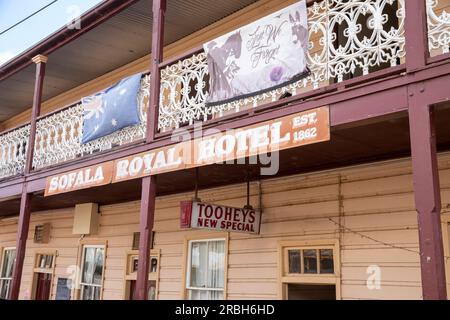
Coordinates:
(241, 149)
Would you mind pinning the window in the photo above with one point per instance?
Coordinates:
(44, 261)
(206, 270)
(8, 257)
(309, 269)
(93, 260)
(310, 261)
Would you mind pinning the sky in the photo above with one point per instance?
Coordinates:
(36, 28)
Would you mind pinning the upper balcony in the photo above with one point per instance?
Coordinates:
(347, 40)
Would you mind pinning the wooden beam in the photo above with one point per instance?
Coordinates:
(427, 195)
(41, 62)
(145, 228)
(416, 34)
(147, 213)
(25, 202)
(22, 235)
(159, 8)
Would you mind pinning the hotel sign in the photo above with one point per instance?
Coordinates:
(84, 178)
(291, 131)
(199, 215)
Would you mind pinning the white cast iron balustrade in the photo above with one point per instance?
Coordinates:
(13, 150)
(347, 39)
(438, 28)
(58, 136)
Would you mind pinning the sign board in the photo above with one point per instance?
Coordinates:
(63, 289)
(84, 178)
(200, 215)
(265, 54)
(291, 131)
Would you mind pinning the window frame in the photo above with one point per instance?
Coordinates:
(445, 223)
(222, 236)
(2, 261)
(80, 276)
(129, 275)
(285, 278)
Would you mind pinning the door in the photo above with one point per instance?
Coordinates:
(151, 289)
(311, 292)
(43, 286)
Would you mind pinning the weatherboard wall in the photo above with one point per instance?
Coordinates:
(374, 199)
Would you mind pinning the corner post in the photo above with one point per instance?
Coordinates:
(147, 212)
(427, 195)
(416, 34)
(25, 202)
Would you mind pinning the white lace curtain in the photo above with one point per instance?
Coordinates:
(207, 270)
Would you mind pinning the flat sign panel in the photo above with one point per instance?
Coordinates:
(291, 131)
(200, 215)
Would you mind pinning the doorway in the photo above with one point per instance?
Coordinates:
(44, 267)
(310, 292)
(43, 286)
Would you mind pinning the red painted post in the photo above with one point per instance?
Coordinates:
(159, 9)
(41, 62)
(427, 197)
(149, 183)
(22, 235)
(416, 34)
(25, 202)
(145, 229)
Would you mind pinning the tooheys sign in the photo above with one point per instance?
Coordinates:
(199, 215)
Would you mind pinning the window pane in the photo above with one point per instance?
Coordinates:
(310, 261)
(326, 261)
(135, 265)
(216, 295)
(49, 261)
(152, 290)
(97, 293)
(198, 295)
(216, 260)
(8, 263)
(294, 261)
(153, 264)
(98, 269)
(4, 288)
(88, 265)
(199, 264)
(86, 293)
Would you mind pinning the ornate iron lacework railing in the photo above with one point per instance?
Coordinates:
(13, 150)
(438, 27)
(58, 136)
(347, 39)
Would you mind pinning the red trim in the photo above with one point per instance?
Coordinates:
(35, 111)
(439, 58)
(146, 220)
(427, 195)
(22, 235)
(416, 34)
(147, 212)
(368, 95)
(159, 8)
(179, 57)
